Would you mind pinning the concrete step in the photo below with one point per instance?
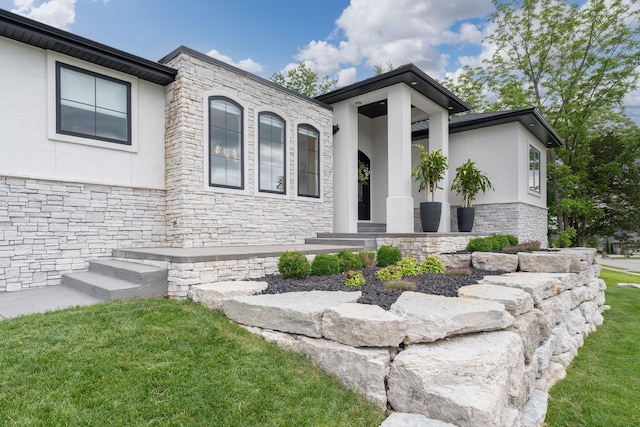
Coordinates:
(103, 287)
(372, 227)
(353, 242)
(139, 274)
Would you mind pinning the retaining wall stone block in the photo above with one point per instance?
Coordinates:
(515, 301)
(495, 261)
(363, 325)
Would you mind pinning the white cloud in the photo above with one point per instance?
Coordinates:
(347, 76)
(398, 31)
(57, 13)
(246, 64)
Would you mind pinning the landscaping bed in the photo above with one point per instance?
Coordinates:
(373, 291)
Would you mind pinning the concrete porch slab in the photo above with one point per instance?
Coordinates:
(41, 300)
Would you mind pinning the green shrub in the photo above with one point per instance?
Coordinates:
(294, 264)
(513, 240)
(389, 273)
(349, 260)
(432, 265)
(400, 285)
(407, 266)
(388, 255)
(325, 264)
(565, 238)
(460, 271)
(354, 278)
(492, 243)
(479, 244)
(368, 258)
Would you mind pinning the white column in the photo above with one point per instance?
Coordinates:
(345, 168)
(439, 139)
(399, 200)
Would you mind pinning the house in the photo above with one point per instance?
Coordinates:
(103, 150)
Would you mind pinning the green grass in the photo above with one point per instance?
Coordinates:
(164, 363)
(602, 387)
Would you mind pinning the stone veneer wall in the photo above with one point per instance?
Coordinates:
(420, 246)
(48, 227)
(202, 216)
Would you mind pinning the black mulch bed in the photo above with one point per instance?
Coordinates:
(372, 292)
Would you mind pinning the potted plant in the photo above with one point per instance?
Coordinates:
(468, 182)
(429, 171)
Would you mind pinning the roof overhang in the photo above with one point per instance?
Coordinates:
(37, 34)
(530, 118)
(410, 75)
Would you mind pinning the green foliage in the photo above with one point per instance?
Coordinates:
(400, 285)
(429, 170)
(349, 260)
(294, 264)
(460, 271)
(354, 278)
(492, 243)
(388, 255)
(432, 265)
(565, 238)
(469, 181)
(325, 264)
(304, 81)
(389, 273)
(407, 266)
(368, 258)
(383, 68)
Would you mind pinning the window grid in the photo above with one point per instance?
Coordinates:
(308, 161)
(226, 156)
(534, 169)
(271, 154)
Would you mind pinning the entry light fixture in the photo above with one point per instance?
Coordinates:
(336, 128)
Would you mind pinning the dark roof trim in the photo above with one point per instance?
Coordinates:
(28, 31)
(243, 73)
(409, 74)
(530, 118)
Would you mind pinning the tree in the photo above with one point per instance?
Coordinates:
(574, 63)
(304, 81)
(383, 68)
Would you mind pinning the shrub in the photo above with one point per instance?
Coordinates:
(565, 238)
(479, 244)
(460, 271)
(368, 258)
(389, 273)
(354, 278)
(492, 243)
(349, 260)
(400, 285)
(294, 264)
(325, 264)
(388, 255)
(531, 245)
(407, 266)
(432, 265)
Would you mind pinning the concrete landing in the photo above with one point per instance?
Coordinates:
(41, 300)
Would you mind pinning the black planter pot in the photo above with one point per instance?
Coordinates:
(465, 218)
(430, 216)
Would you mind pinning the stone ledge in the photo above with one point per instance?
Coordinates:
(362, 325)
(515, 301)
(211, 295)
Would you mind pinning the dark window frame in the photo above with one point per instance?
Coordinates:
(284, 154)
(59, 130)
(242, 148)
(319, 186)
(531, 172)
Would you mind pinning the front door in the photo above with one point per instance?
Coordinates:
(364, 189)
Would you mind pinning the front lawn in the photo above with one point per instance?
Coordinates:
(602, 387)
(160, 362)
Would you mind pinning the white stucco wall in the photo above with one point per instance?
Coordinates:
(30, 148)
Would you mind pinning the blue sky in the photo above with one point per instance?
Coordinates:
(341, 38)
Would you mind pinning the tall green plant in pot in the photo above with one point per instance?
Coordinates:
(468, 182)
(428, 173)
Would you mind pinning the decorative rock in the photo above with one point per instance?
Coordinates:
(515, 301)
(547, 308)
(584, 254)
(211, 295)
(466, 380)
(494, 261)
(363, 370)
(547, 262)
(456, 260)
(561, 340)
(398, 419)
(543, 355)
(562, 304)
(553, 374)
(362, 325)
(575, 322)
(535, 411)
(538, 287)
(565, 280)
(295, 312)
(629, 285)
(433, 317)
(532, 329)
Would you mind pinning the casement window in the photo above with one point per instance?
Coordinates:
(226, 156)
(308, 161)
(91, 105)
(534, 169)
(271, 154)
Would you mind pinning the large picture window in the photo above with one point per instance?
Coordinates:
(225, 143)
(91, 105)
(308, 161)
(534, 169)
(271, 143)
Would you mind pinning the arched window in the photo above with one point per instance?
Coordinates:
(308, 161)
(271, 154)
(226, 156)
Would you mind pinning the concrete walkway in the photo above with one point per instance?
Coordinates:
(40, 300)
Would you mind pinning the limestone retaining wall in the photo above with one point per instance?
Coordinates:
(486, 358)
